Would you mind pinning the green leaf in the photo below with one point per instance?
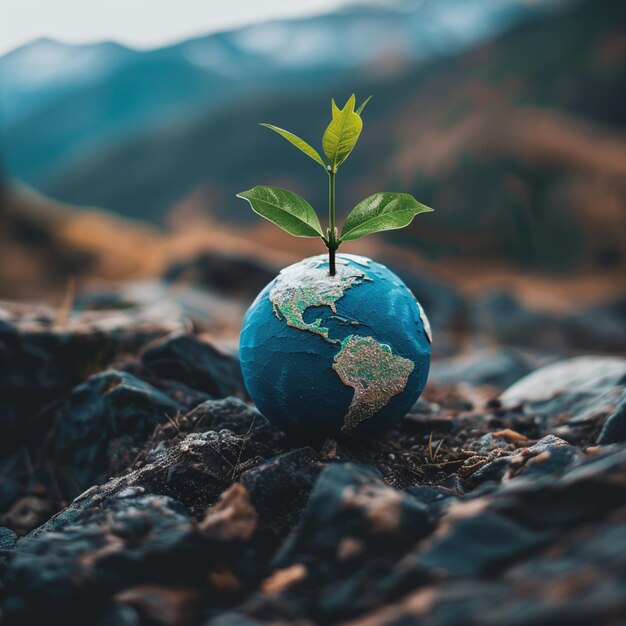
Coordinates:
(342, 133)
(298, 143)
(363, 105)
(382, 211)
(286, 209)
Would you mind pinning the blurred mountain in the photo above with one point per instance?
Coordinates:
(62, 103)
(518, 141)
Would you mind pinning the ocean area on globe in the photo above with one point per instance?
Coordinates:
(322, 353)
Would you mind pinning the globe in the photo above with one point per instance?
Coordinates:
(322, 354)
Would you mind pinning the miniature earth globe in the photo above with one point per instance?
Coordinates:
(322, 353)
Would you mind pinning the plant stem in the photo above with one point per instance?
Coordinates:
(331, 261)
(332, 240)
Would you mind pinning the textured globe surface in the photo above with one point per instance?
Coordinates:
(322, 353)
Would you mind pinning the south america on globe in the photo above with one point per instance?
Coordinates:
(322, 353)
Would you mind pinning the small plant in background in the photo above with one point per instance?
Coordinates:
(291, 212)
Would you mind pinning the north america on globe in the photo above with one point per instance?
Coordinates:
(350, 348)
(364, 364)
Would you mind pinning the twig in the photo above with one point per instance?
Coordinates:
(243, 443)
(65, 310)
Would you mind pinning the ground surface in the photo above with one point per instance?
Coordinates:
(138, 486)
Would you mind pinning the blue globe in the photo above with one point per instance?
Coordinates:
(322, 353)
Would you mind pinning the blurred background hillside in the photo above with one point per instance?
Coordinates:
(120, 166)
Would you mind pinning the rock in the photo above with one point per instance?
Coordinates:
(499, 369)
(197, 364)
(434, 498)
(501, 316)
(553, 461)
(614, 429)
(234, 275)
(352, 501)
(230, 414)
(121, 615)
(549, 455)
(585, 492)
(232, 517)
(108, 406)
(546, 443)
(41, 359)
(493, 471)
(600, 328)
(10, 488)
(27, 513)
(162, 606)
(581, 374)
(597, 329)
(233, 619)
(279, 488)
(241, 419)
(478, 546)
(194, 470)
(205, 310)
(577, 391)
(186, 396)
(75, 571)
(7, 539)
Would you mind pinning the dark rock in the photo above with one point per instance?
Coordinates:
(279, 488)
(434, 498)
(121, 616)
(146, 538)
(237, 416)
(186, 396)
(107, 407)
(7, 539)
(41, 360)
(195, 363)
(233, 275)
(27, 513)
(549, 455)
(546, 443)
(454, 483)
(500, 369)
(587, 491)
(231, 518)
(161, 605)
(351, 502)
(614, 429)
(194, 470)
(581, 373)
(479, 545)
(502, 317)
(10, 488)
(553, 461)
(577, 392)
(601, 328)
(233, 619)
(597, 329)
(231, 414)
(493, 471)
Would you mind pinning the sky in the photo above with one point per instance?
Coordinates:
(138, 23)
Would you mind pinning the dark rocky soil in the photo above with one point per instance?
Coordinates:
(138, 486)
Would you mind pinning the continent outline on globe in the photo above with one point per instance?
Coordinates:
(290, 298)
(380, 359)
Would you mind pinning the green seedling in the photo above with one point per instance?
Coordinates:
(381, 211)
